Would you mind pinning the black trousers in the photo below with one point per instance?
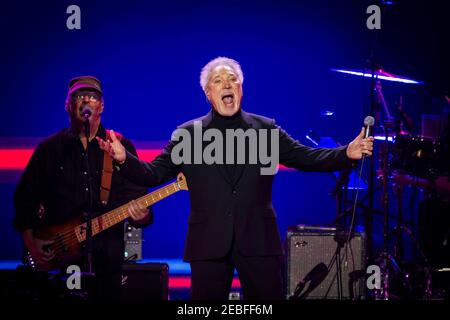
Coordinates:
(261, 278)
(108, 249)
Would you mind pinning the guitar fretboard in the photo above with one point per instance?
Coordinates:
(119, 214)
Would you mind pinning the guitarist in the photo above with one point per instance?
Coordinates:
(54, 188)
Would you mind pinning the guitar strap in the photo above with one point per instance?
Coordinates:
(105, 186)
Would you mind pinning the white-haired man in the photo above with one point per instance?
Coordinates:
(232, 223)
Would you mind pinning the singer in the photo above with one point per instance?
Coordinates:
(55, 188)
(232, 223)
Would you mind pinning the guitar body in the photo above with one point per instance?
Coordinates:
(65, 245)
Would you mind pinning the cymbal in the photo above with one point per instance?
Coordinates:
(379, 74)
(390, 138)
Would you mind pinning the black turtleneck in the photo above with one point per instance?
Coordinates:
(228, 122)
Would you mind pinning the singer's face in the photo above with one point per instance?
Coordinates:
(224, 90)
(82, 97)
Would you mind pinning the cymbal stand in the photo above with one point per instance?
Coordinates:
(385, 201)
(384, 176)
(398, 248)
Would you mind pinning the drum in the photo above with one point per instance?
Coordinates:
(416, 155)
(442, 159)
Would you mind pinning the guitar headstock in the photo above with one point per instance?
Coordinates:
(181, 182)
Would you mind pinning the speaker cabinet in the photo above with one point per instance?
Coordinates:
(313, 259)
(145, 281)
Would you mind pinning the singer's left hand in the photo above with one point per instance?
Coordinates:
(360, 146)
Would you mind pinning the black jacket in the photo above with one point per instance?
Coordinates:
(221, 208)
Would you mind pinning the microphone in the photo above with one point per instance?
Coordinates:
(85, 111)
(369, 121)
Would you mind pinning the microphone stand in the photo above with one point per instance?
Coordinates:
(369, 211)
(375, 110)
(340, 193)
(385, 175)
(341, 239)
(88, 212)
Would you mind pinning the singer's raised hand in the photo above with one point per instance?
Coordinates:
(114, 148)
(360, 146)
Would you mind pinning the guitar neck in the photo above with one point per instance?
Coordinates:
(119, 214)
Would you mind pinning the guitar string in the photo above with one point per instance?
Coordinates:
(125, 206)
(72, 239)
(69, 237)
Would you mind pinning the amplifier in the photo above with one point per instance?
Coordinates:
(313, 257)
(145, 281)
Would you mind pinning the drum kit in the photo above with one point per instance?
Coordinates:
(424, 156)
(405, 159)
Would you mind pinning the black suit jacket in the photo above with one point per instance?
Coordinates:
(220, 207)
